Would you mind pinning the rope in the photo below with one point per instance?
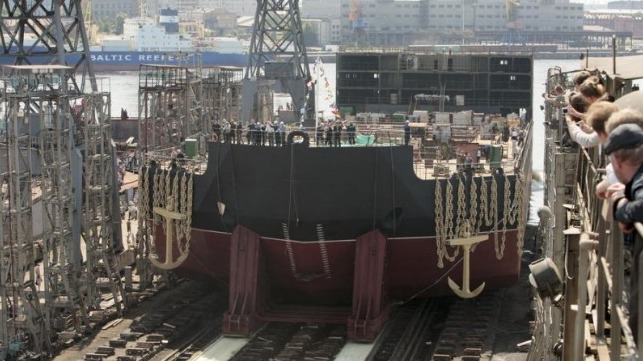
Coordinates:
(434, 282)
(218, 170)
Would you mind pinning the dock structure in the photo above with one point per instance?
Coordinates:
(21, 314)
(222, 93)
(582, 278)
(59, 272)
(101, 220)
(170, 106)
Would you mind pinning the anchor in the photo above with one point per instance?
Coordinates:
(466, 244)
(170, 216)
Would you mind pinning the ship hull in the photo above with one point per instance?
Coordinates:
(310, 205)
(127, 61)
(104, 61)
(412, 266)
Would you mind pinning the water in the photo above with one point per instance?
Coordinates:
(538, 117)
(124, 94)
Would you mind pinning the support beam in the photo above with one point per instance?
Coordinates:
(371, 304)
(247, 294)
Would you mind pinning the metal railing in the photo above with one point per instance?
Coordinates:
(602, 273)
(430, 160)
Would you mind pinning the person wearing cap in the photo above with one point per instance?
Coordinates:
(624, 146)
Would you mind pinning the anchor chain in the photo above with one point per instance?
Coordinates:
(159, 181)
(516, 213)
(188, 187)
(473, 215)
(158, 185)
(167, 191)
(462, 208)
(500, 248)
(444, 223)
(449, 211)
(173, 206)
(142, 236)
(289, 250)
(174, 183)
(439, 227)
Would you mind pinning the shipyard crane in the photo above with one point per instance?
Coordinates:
(64, 157)
(278, 61)
(48, 33)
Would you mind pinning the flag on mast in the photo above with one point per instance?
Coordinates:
(320, 79)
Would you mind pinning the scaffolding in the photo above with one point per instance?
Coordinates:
(170, 106)
(65, 140)
(61, 163)
(100, 218)
(22, 325)
(51, 133)
(222, 93)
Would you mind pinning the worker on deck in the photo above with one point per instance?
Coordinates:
(407, 133)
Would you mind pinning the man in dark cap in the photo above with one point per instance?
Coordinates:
(624, 145)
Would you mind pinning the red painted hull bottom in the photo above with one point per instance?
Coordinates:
(299, 273)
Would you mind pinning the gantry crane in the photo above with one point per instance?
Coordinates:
(278, 60)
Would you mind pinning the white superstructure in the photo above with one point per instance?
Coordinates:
(144, 34)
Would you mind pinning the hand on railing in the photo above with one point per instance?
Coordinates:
(604, 190)
(618, 200)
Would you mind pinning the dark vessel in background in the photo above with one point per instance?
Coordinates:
(386, 82)
(335, 234)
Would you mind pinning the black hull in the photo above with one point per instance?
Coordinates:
(309, 194)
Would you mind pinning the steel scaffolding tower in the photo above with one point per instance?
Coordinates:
(22, 324)
(99, 218)
(71, 133)
(277, 53)
(169, 106)
(61, 163)
(222, 93)
(47, 32)
(69, 137)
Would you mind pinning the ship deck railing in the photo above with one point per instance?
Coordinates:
(603, 282)
(431, 158)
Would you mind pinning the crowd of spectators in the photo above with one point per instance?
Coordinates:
(593, 120)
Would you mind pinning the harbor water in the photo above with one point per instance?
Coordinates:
(124, 94)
